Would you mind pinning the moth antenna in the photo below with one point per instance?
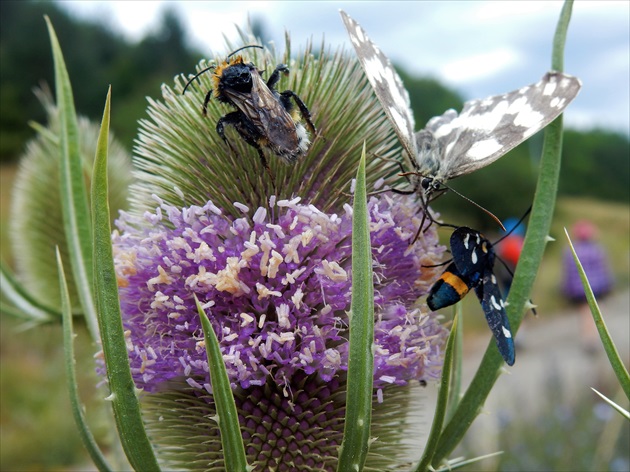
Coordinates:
(514, 227)
(441, 264)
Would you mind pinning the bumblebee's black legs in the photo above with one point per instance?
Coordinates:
(204, 109)
(275, 76)
(235, 119)
(306, 114)
(287, 95)
(231, 119)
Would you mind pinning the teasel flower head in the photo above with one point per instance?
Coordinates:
(36, 220)
(270, 261)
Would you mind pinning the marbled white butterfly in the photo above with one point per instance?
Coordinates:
(452, 145)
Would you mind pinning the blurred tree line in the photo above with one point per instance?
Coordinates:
(95, 56)
(595, 163)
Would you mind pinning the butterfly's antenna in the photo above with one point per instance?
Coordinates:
(197, 75)
(488, 212)
(245, 47)
(513, 228)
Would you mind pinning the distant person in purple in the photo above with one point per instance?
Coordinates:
(595, 262)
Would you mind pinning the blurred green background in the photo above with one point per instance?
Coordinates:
(36, 428)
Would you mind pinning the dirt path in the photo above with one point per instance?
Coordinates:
(553, 346)
(548, 348)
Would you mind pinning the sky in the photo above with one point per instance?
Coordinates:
(478, 48)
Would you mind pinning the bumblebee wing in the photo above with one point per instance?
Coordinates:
(387, 85)
(278, 125)
(472, 253)
(487, 129)
(491, 300)
(267, 114)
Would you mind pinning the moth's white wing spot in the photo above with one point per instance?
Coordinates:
(493, 279)
(482, 149)
(506, 332)
(494, 303)
(473, 257)
(466, 240)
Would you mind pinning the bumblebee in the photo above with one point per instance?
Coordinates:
(264, 117)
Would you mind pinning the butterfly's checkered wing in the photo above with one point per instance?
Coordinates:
(487, 129)
(386, 83)
(491, 300)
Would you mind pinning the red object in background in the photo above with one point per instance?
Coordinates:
(510, 249)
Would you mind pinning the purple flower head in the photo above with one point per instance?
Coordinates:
(275, 284)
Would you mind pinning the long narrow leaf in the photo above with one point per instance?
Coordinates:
(625, 413)
(442, 400)
(74, 201)
(231, 438)
(609, 346)
(533, 249)
(356, 434)
(124, 400)
(27, 306)
(461, 462)
(75, 402)
(455, 389)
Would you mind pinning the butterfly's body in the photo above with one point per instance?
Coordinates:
(455, 144)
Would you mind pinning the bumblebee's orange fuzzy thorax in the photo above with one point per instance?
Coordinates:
(218, 72)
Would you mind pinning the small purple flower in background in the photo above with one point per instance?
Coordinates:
(273, 274)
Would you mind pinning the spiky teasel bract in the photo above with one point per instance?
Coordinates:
(178, 149)
(274, 275)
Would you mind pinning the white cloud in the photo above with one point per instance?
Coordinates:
(481, 47)
(481, 66)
